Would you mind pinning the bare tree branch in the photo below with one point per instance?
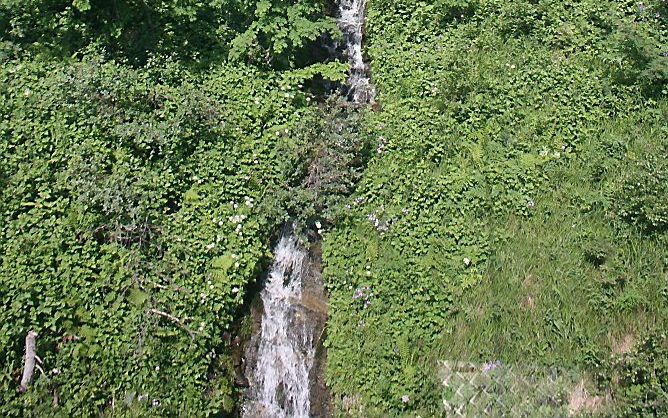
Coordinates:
(29, 361)
(173, 319)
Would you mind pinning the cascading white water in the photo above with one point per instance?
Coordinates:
(280, 382)
(286, 351)
(351, 23)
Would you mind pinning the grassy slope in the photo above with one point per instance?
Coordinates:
(573, 278)
(500, 217)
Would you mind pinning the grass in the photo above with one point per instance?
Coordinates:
(572, 283)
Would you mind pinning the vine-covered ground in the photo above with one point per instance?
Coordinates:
(510, 199)
(516, 208)
(148, 153)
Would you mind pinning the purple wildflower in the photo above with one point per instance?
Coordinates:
(488, 367)
(363, 293)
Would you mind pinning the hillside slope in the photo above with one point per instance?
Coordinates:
(516, 209)
(148, 153)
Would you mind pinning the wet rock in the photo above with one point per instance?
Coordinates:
(296, 308)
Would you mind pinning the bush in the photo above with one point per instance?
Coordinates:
(642, 197)
(641, 379)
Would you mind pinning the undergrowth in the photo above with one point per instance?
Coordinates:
(515, 208)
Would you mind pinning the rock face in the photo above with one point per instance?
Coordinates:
(316, 302)
(285, 358)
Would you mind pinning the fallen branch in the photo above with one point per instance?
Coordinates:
(29, 361)
(41, 370)
(173, 319)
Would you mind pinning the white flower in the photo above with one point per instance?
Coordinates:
(210, 246)
(318, 225)
(467, 261)
(235, 290)
(405, 399)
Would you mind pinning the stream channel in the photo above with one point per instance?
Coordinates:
(285, 357)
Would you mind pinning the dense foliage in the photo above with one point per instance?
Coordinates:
(140, 190)
(506, 201)
(515, 209)
(267, 32)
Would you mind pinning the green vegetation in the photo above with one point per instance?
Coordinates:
(516, 207)
(144, 172)
(507, 201)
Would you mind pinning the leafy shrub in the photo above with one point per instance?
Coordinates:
(643, 62)
(191, 30)
(642, 197)
(266, 40)
(641, 378)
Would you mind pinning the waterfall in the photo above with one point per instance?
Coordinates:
(351, 23)
(280, 383)
(285, 373)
